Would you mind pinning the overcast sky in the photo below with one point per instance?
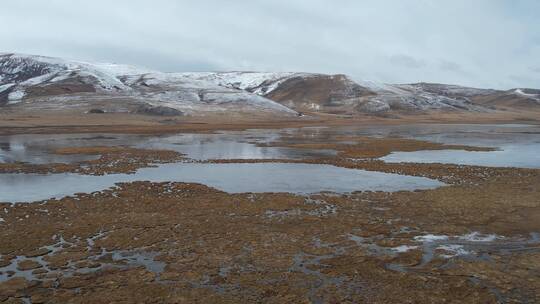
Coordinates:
(483, 43)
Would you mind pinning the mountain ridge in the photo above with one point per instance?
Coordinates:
(41, 80)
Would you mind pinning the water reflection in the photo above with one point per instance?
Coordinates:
(517, 144)
(38, 149)
(521, 156)
(35, 149)
(232, 178)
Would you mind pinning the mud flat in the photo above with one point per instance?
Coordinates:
(473, 240)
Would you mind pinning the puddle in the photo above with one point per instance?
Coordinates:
(370, 246)
(308, 264)
(42, 271)
(232, 178)
(471, 247)
(12, 270)
(313, 266)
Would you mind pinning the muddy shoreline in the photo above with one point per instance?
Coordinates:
(73, 122)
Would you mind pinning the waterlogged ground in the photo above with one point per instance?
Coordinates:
(339, 226)
(511, 144)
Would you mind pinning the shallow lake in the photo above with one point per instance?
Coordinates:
(38, 148)
(232, 178)
(521, 156)
(518, 145)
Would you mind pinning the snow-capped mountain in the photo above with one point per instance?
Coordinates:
(531, 94)
(260, 83)
(19, 73)
(40, 82)
(342, 94)
(300, 91)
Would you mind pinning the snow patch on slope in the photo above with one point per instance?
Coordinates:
(520, 92)
(192, 91)
(29, 70)
(15, 97)
(197, 91)
(204, 90)
(260, 83)
(6, 86)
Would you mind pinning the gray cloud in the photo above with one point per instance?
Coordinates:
(407, 61)
(383, 40)
(451, 66)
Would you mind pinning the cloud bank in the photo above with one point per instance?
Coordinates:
(482, 43)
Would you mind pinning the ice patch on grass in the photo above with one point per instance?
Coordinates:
(404, 248)
(470, 237)
(430, 238)
(453, 250)
(478, 237)
(15, 97)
